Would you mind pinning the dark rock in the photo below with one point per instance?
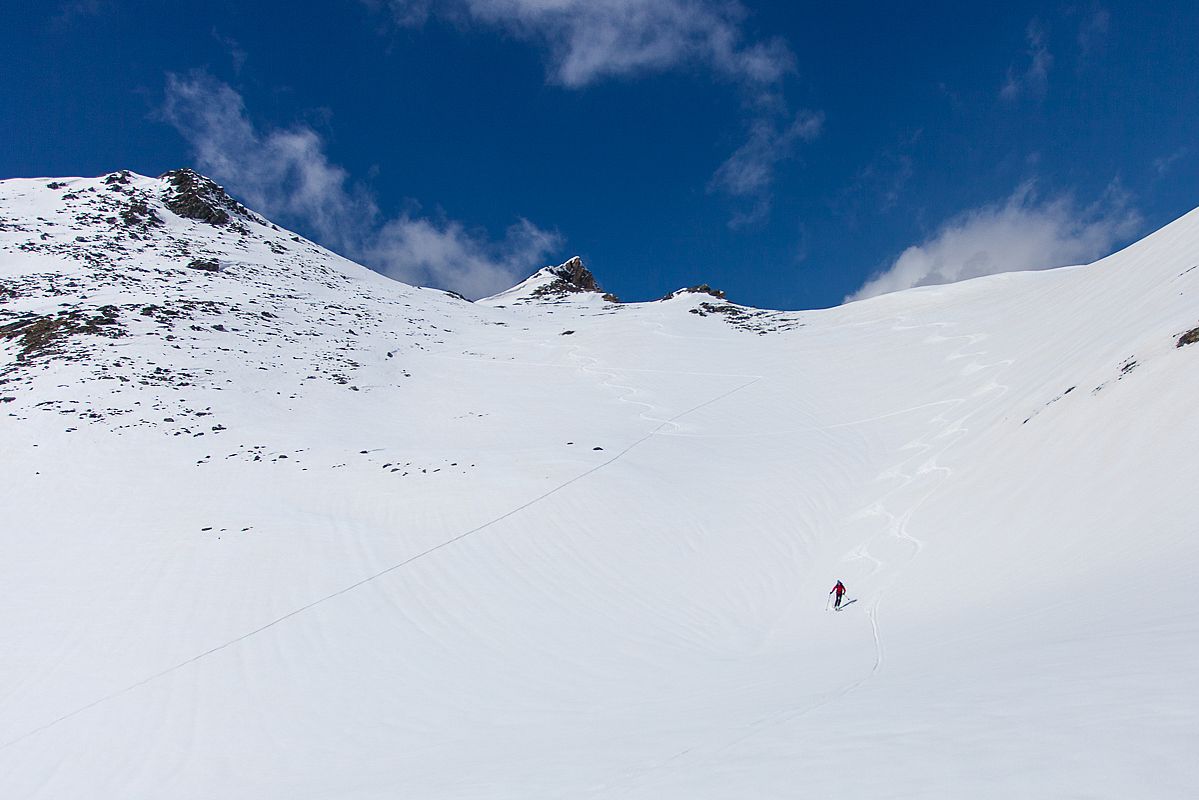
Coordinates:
(571, 278)
(138, 214)
(46, 335)
(577, 275)
(1190, 337)
(193, 196)
(702, 288)
(205, 264)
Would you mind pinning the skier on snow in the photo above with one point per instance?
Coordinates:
(838, 590)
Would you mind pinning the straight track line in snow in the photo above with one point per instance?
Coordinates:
(381, 573)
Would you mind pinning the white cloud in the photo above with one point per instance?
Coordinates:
(1165, 164)
(1033, 80)
(1018, 234)
(749, 171)
(467, 262)
(286, 174)
(587, 41)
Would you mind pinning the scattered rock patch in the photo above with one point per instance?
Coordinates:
(44, 335)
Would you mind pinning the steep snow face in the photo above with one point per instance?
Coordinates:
(278, 527)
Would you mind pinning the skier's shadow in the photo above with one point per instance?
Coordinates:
(846, 603)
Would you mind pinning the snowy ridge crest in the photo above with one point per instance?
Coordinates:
(570, 279)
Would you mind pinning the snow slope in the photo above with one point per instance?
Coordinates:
(287, 529)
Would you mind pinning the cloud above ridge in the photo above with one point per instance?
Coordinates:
(1019, 234)
(749, 171)
(285, 173)
(588, 41)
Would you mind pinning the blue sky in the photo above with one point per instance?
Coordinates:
(792, 154)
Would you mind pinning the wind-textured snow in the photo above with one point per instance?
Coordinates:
(276, 527)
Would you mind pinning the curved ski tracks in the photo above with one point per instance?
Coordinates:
(930, 449)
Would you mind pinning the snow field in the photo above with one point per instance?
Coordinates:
(517, 614)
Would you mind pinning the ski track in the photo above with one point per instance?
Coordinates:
(896, 529)
(369, 579)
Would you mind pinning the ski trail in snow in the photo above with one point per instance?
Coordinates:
(898, 524)
(370, 578)
(610, 382)
(926, 449)
(613, 373)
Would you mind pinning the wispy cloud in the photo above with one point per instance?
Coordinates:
(587, 41)
(1021, 233)
(749, 171)
(237, 54)
(1164, 164)
(1092, 33)
(73, 10)
(453, 256)
(879, 185)
(286, 174)
(1033, 79)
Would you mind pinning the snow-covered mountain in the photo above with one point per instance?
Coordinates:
(278, 527)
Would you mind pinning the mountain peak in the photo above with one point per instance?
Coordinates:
(702, 288)
(573, 276)
(556, 283)
(194, 196)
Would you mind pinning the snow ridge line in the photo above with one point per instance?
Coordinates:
(345, 590)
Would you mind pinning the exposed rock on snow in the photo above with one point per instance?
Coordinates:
(205, 264)
(702, 288)
(570, 279)
(38, 335)
(193, 196)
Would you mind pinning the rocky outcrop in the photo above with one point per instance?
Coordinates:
(205, 264)
(571, 277)
(702, 288)
(45, 334)
(192, 196)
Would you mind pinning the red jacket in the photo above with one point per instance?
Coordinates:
(839, 588)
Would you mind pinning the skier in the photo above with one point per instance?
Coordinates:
(838, 590)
